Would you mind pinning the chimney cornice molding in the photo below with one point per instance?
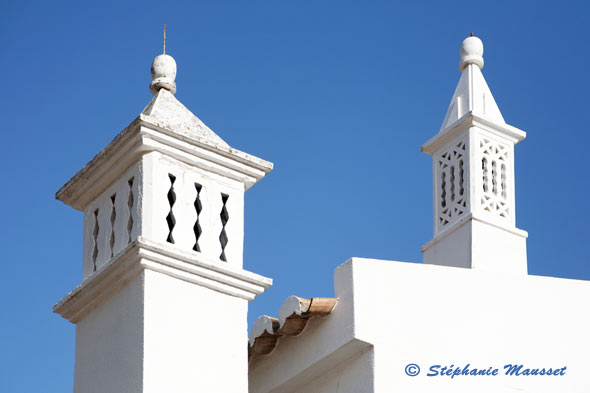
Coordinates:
(143, 254)
(145, 135)
(470, 119)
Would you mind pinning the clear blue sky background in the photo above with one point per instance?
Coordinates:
(339, 95)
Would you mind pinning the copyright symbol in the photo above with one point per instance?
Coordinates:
(412, 369)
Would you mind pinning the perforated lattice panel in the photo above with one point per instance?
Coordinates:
(493, 189)
(452, 188)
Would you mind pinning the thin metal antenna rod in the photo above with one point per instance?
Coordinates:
(164, 52)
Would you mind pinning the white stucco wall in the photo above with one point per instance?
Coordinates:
(195, 338)
(437, 315)
(431, 315)
(109, 343)
(161, 334)
(352, 376)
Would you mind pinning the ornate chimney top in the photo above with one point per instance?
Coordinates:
(471, 52)
(163, 71)
(473, 166)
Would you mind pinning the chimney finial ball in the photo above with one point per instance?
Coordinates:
(163, 74)
(471, 52)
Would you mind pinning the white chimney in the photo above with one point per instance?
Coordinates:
(473, 168)
(163, 302)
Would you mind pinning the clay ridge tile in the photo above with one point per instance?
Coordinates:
(293, 317)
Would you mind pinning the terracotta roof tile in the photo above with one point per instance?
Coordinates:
(292, 319)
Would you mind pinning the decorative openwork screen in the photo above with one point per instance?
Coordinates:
(493, 189)
(452, 185)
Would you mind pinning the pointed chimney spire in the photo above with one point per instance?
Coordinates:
(472, 94)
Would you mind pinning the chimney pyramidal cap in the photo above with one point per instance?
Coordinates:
(163, 74)
(471, 52)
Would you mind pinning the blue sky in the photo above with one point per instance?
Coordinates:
(339, 95)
